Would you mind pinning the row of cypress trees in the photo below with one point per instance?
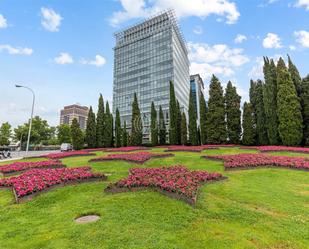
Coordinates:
(278, 112)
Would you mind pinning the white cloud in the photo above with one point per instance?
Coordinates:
(292, 47)
(302, 37)
(99, 61)
(198, 30)
(64, 58)
(218, 59)
(200, 8)
(302, 3)
(51, 20)
(240, 38)
(256, 71)
(272, 41)
(3, 22)
(15, 50)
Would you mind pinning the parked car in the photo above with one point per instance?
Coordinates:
(66, 147)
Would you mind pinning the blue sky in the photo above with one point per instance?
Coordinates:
(64, 49)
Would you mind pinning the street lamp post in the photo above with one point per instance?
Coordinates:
(30, 122)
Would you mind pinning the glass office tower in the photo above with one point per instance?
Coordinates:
(147, 57)
(197, 89)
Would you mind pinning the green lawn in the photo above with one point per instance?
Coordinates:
(262, 208)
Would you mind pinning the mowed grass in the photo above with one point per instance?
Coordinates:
(261, 208)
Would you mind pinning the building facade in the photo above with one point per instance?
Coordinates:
(147, 57)
(197, 89)
(68, 113)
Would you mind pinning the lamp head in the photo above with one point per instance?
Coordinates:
(18, 86)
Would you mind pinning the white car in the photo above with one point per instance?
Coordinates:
(66, 147)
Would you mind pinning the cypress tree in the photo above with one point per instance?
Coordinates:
(136, 124)
(233, 113)
(118, 131)
(184, 133)
(248, 125)
(305, 107)
(162, 128)
(289, 109)
(124, 137)
(108, 125)
(178, 131)
(192, 121)
(216, 126)
(100, 129)
(91, 130)
(203, 116)
(154, 125)
(295, 76)
(270, 100)
(112, 124)
(77, 135)
(173, 116)
(198, 135)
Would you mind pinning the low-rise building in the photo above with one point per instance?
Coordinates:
(68, 113)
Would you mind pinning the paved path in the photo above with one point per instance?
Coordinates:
(21, 154)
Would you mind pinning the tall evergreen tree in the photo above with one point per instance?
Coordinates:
(270, 100)
(118, 131)
(248, 125)
(192, 121)
(257, 102)
(203, 117)
(178, 131)
(295, 76)
(162, 128)
(184, 133)
(154, 125)
(233, 113)
(77, 135)
(198, 136)
(305, 107)
(108, 125)
(173, 116)
(136, 124)
(289, 109)
(215, 123)
(91, 130)
(124, 137)
(100, 124)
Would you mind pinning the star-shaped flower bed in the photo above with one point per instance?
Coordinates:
(139, 157)
(249, 161)
(273, 148)
(69, 154)
(176, 181)
(126, 149)
(20, 167)
(35, 181)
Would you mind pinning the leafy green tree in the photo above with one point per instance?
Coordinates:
(305, 107)
(64, 133)
(162, 128)
(124, 135)
(184, 132)
(192, 121)
(257, 102)
(118, 131)
(100, 124)
(289, 108)
(295, 76)
(91, 130)
(108, 125)
(203, 117)
(270, 100)
(5, 134)
(154, 125)
(248, 125)
(233, 113)
(173, 116)
(77, 135)
(136, 124)
(178, 131)
(215, 123)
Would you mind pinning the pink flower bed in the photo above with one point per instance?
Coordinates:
(23, 166)
(176, 181)
(69, 154)
(126, 149)
(273, 148)
(262, 160)
(184, 148)
(139, 157)
(37, 180)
